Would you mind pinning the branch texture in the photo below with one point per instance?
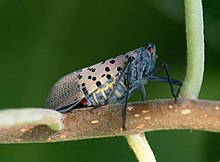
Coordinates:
(107, 121)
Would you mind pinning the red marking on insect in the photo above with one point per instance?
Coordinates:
(151, 50)
(83, 102)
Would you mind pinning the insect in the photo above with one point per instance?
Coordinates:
(110, 81)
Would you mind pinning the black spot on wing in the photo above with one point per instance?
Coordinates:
(98, 83)
(108, 76)
(112, 61)
(79, 76)
(89, 77)
(107, 69)
(91, 69)
(103, 75)
(119, 68)
(84, 89)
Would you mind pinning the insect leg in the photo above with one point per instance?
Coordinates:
(143, 92)
(167, 80)
(124, 71)
(128, 80)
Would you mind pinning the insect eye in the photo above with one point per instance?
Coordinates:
(151, 50)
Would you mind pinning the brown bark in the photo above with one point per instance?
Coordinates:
(107, 121)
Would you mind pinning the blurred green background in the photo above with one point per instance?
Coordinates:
(40, 41)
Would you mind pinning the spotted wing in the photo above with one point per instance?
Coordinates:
(92, 77)
(72, 88)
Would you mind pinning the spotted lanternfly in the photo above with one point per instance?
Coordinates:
(110, 81)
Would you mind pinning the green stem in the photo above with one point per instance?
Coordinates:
(141, 147)
(195, 49)
(194, 71)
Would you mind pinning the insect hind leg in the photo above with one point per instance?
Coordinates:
(169, 80)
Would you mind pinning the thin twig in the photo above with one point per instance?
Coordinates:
(106, 121)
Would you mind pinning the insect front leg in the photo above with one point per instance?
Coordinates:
(125, 74)
(166, 80)
(128, 83)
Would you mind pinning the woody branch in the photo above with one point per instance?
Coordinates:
(107, 121)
